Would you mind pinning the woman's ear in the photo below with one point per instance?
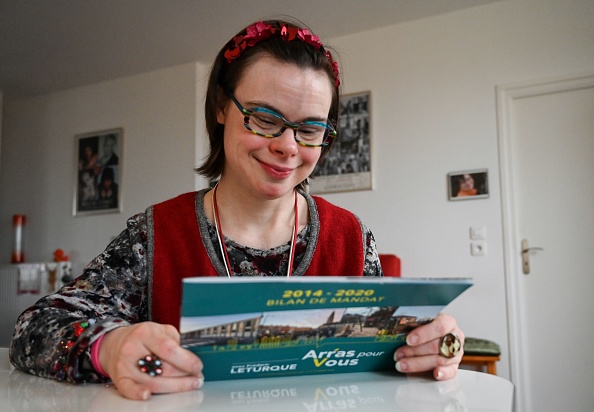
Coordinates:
(221, 115)
(222, 103)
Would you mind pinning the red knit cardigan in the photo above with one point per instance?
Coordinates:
(178, 251)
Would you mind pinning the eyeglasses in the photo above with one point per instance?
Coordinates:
(267, 123)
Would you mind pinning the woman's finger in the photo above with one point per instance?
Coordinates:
(429, 348)
(436, 363)
(133, 383)
(191, 365)
(169, 384)
(177, 360)
(129, 388)
(440, 326)
(445, 372)
(141, 388)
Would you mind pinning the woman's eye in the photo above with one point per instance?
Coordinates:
(266, 123)
(264, 120)
(269, 121)
(311, 131)
(307, 132)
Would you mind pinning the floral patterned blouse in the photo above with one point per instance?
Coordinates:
(52, 339)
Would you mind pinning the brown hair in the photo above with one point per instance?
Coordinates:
(226, 73)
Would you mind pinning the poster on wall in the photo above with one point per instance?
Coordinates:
(98, 165)
(347, 166)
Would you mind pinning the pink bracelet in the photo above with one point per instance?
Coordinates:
(95, 357)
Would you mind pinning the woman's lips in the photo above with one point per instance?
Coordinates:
(278, 172)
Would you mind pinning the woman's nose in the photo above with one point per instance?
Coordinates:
(286, 143)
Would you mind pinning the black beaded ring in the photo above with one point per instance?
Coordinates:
(151, 365)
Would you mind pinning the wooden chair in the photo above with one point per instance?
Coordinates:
(481, 353)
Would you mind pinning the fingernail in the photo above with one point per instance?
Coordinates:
(401, 367)
(440, 375)
(199, 383)
(145, 394)
(412, 340)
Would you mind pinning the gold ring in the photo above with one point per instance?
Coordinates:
(450, 345)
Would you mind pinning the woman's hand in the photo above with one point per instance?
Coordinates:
(421, 352)
(122, 347)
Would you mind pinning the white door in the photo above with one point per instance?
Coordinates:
(547, 163)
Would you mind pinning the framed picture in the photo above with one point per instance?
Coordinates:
(468, 184)
(98, 165)
(347, 166)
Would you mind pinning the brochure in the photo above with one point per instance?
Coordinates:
(268, 327)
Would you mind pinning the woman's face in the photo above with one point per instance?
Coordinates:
(272, 167)
(466, 182)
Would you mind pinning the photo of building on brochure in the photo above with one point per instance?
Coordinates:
(291, 328)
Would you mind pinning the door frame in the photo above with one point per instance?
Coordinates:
(506, 94)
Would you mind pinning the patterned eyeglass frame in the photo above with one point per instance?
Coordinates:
(330, 131)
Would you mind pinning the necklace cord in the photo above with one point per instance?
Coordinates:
(218, 227)
(293, 239)
(221, 238)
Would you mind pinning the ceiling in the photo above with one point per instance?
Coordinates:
(46, 46)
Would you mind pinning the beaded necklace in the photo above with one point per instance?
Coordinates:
(221, 238)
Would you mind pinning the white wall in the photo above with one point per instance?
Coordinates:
(432, 83)
(156, 111)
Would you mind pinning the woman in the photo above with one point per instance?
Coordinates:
(271, 112)
(466, 184)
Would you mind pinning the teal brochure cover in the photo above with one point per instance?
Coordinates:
(268, 327)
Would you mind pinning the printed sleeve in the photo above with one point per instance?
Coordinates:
(52, 338)
(372, 262)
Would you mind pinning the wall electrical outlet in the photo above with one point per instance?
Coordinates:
(478, 248)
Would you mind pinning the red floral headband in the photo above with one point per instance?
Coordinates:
(261, 31)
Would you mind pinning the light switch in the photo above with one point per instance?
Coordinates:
(478, 232)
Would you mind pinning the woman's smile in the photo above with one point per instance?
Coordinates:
(278, 172)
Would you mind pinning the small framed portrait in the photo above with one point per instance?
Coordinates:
(468, 184)
(98, 165)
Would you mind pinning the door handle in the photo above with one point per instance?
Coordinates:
(526, 249)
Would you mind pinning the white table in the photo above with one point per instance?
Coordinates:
(469, 391)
